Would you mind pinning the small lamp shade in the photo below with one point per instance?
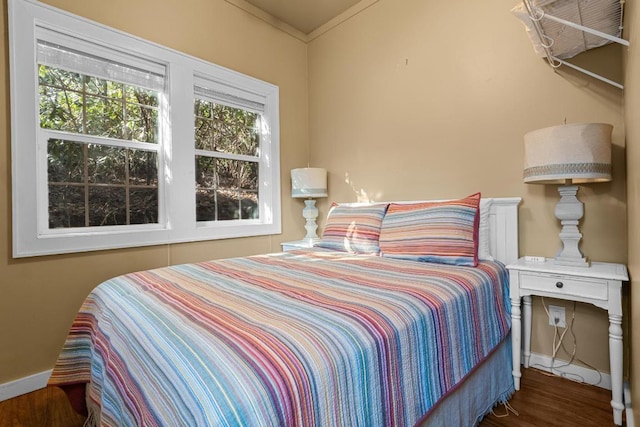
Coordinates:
(579, 152)
(309, 182)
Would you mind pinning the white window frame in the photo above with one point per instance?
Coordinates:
(177, 215)
(235, 98)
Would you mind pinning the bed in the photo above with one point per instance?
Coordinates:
(358, 331)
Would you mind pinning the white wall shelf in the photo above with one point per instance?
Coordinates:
(561, 29)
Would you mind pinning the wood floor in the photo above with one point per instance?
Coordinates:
(543, 401)
(47, 407)
(550, 401)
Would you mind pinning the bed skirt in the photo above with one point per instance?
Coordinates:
(489, 384)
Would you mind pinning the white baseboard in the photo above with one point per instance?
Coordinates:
(24, 385)
(627, 405)
(571, 371)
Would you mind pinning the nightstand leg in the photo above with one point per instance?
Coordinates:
(516, 342)
(526, 314)
(615, 356)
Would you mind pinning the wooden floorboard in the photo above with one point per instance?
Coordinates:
(550, 401)
(47, 407)
(543, 401)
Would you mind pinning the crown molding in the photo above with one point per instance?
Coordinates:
(306, 38)
(269, 19)
(344, 16)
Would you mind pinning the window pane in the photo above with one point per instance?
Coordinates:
(227, 173)
(107, 206)
(205, 205)
(226, 189)
(234, 204)
(104, 117)
(106, 165)
(249, 205)
(203, 108)
(143, 168)
(144, 206)
(65, 161)
(142, 96)
(84, 104)
(97, 86)
(205, 172)
(227, 205)
(226, 129)
(248, 175)
(237, 174)
(204, 134)
(66, 206)
(105, 88)
(59, 78)
(142, 123)
(108, 187)
(60, 109)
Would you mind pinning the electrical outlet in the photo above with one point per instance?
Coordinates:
(557, 316)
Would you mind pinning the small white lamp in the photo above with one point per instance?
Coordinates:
(309, 183)
(570, 154)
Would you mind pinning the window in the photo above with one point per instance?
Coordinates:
(227, 142)
(101, 139)
(119, 142)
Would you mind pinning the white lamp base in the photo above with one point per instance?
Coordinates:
(569, 210)
(310, 212)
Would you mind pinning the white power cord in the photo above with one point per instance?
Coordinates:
(556, 346)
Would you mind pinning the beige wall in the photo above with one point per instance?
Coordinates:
(632, 112)
(40, 296)
(415, 99)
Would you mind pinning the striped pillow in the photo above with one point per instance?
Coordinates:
(354, 229)
(441, 232)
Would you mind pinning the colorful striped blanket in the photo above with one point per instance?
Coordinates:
(301, 338)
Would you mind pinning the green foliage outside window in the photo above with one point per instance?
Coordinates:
(226, 188)
(102, 184)
(99, 184)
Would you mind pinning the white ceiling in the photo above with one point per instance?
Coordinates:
(304, 15)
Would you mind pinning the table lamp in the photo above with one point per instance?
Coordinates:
(309, 183)
(569, 154)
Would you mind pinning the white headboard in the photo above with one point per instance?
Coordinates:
(503, 229)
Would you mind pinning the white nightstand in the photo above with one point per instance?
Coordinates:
(600, 285)
(298, 244)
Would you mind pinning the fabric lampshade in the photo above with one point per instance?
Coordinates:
(309, 182)
(578, 153)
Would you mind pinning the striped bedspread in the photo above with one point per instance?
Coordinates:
(298, 338)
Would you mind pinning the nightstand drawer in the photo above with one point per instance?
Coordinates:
(563, 285)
